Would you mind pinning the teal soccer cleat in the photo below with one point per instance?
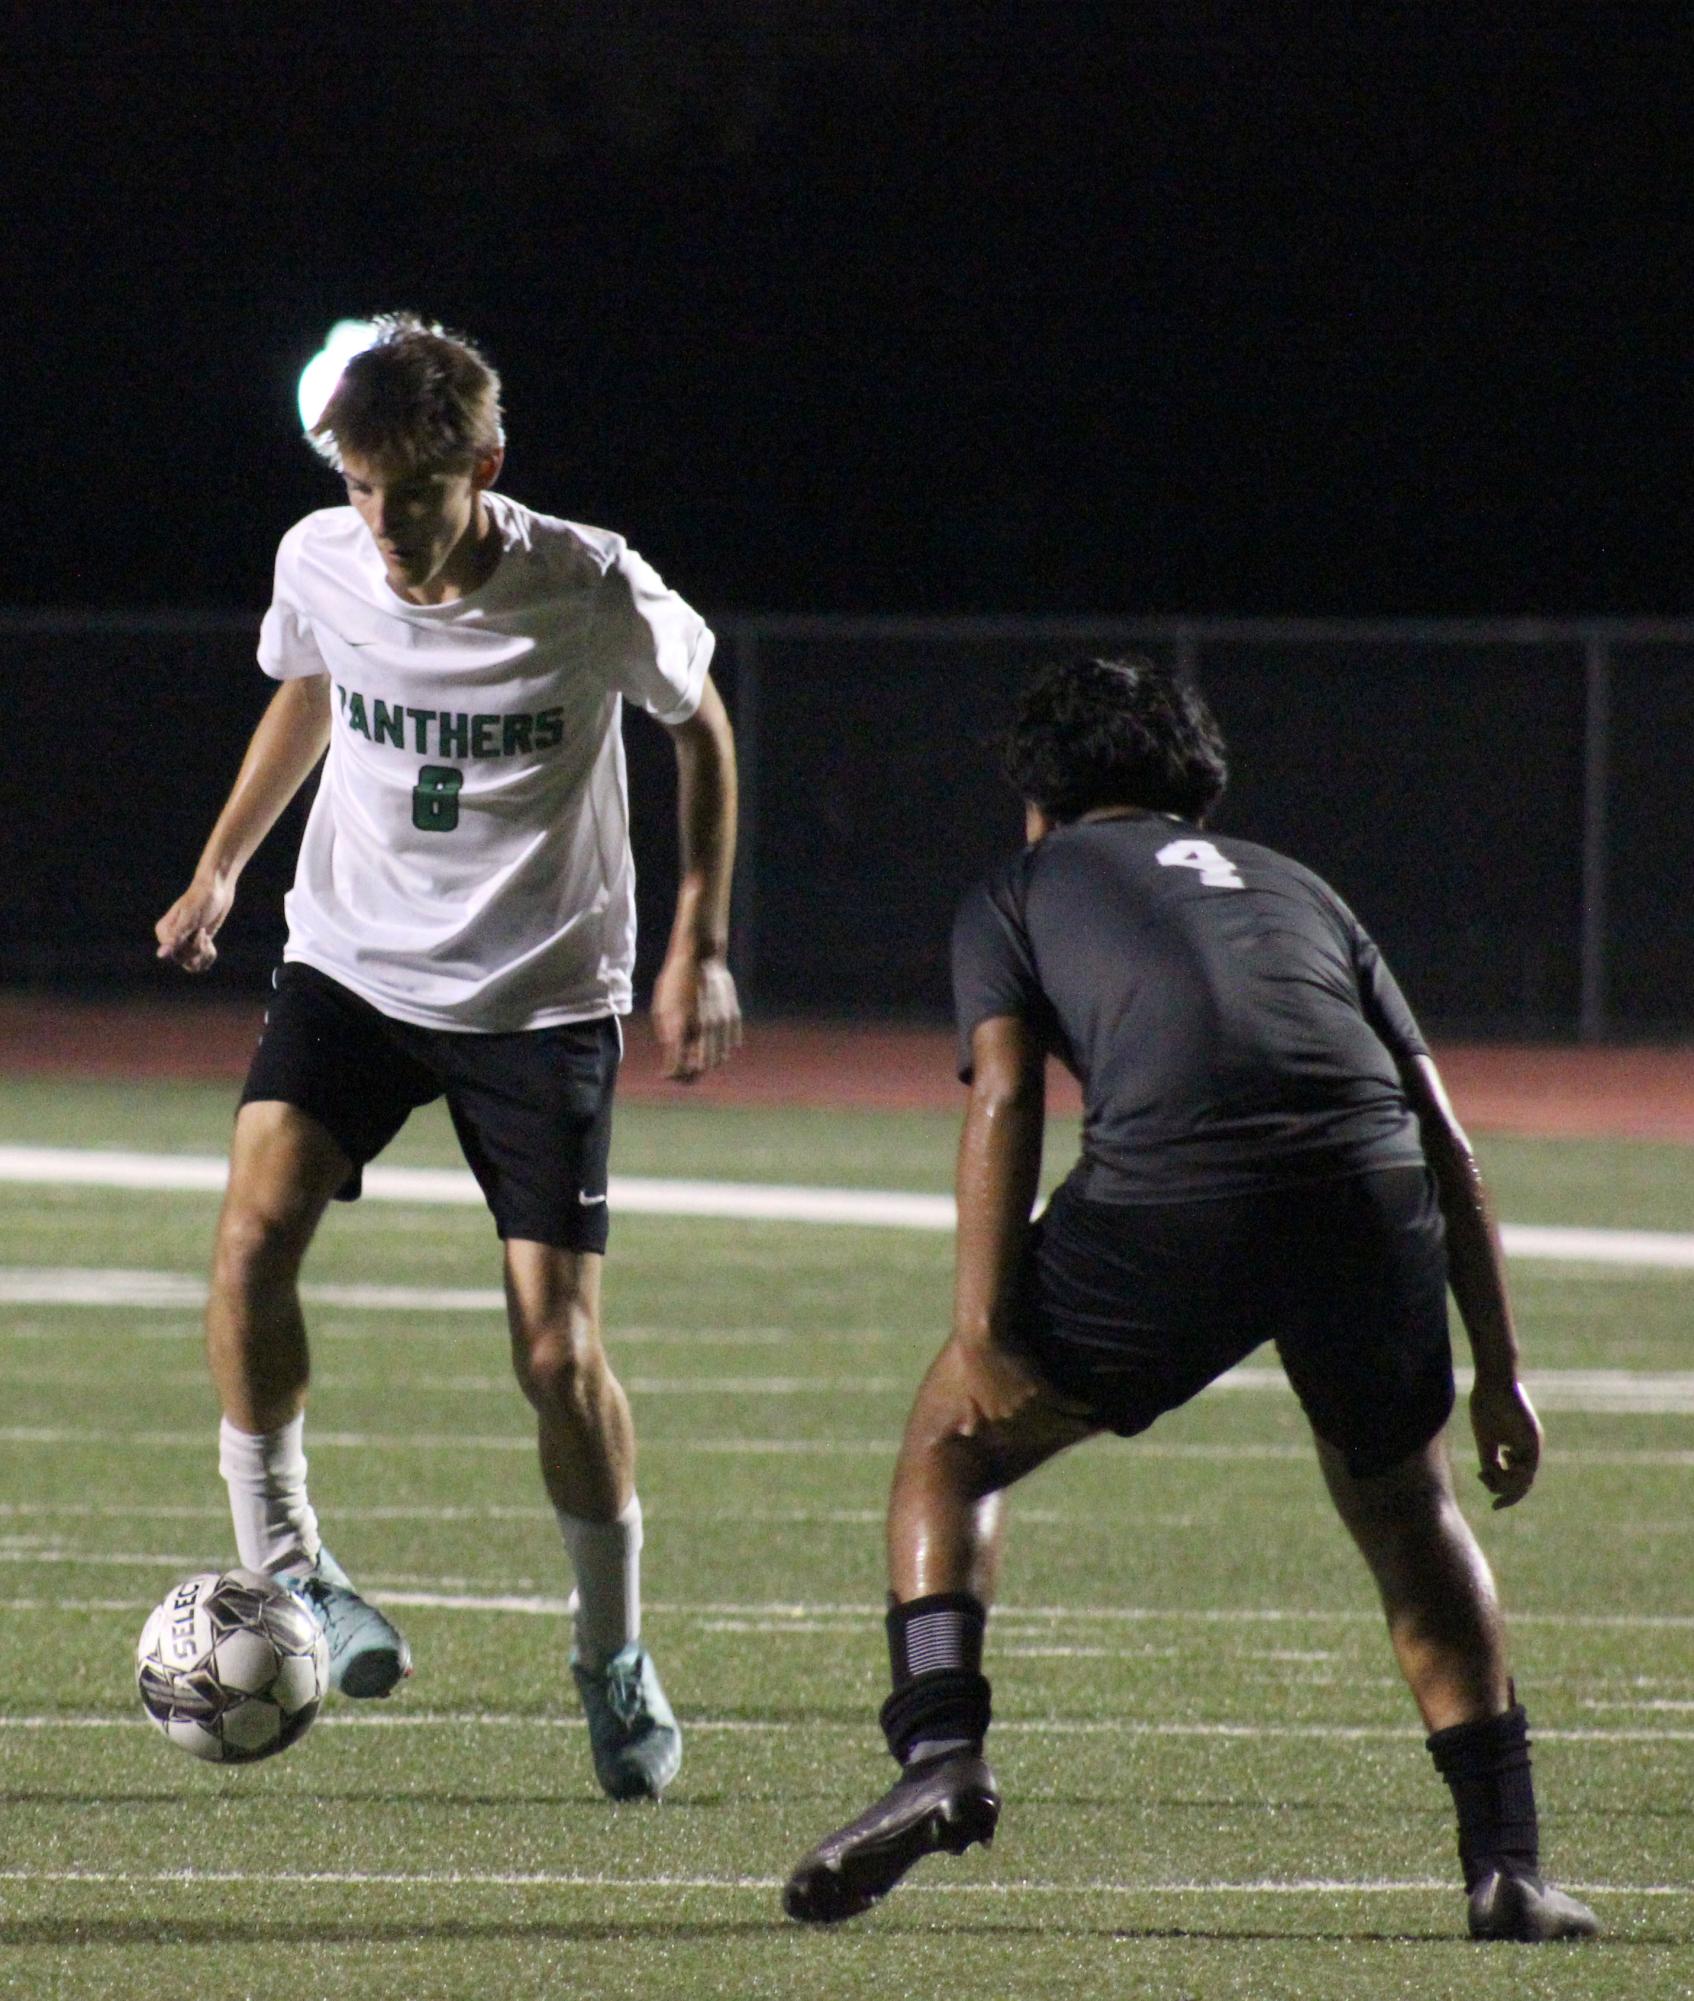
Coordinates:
(633, 1734)
(368, 1655)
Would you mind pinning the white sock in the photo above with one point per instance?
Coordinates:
(275, 1528)
(606, 1557)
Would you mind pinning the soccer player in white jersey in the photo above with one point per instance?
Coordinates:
(462, 924)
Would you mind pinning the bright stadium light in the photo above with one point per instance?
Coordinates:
(320, 375)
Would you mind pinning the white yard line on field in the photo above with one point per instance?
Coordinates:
(47, 1435)
(461, 1879)
(501, 1384)
(749, 1201)
(168, 1291)
(583, 1880)
(51, 1285)
(777, 1617)
(1593, 1392)
(743, 1726)
(489, 1511)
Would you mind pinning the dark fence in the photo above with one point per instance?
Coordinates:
(1505, 803)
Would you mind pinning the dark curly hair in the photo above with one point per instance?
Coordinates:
(1126, 732)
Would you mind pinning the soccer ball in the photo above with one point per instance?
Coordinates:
(231, 1667)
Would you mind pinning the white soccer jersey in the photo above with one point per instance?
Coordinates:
(466, 864)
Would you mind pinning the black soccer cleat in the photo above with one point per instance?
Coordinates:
(1505, 1906)
(947, 1803)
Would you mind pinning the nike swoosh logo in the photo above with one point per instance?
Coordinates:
(588, 1201)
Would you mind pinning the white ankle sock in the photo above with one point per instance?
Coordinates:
(275, 1528)
(606, 1557)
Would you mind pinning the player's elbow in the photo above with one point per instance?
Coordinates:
(707, 734)
(999, 1096)
(1008, 1068)
(1447, 1149)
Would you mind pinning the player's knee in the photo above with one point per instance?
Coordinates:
(967, 1464)
(1412, 1497)
(559, 1362)
(947, 1441)
(1410, 1506)
(1420, 1546)
(257, 1247)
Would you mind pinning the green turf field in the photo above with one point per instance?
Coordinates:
(1215, 1784)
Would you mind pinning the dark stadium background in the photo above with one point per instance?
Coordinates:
(841, 309)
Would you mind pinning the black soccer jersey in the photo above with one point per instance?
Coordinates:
(1232, 1025)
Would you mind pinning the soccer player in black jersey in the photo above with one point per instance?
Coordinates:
(1268, 1154)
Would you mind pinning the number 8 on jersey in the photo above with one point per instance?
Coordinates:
(435, 798)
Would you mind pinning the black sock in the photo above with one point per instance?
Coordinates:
(1487, 1767)
(941, 1696)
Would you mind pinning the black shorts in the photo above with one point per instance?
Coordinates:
(1133, 1308)
(533, 1110)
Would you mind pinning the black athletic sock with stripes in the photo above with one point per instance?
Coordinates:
(1487, 1767)
(940, 1701)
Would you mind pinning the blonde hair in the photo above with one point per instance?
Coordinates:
(418, 395)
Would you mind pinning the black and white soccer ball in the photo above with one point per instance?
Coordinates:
(231, 1667)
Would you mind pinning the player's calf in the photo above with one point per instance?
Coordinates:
(1445, 1622)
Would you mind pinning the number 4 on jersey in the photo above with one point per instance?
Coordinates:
(1216, 870)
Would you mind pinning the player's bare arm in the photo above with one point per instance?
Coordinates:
(1508, 1434)
(284, 750)
(981, 1418)
(998, 1171)
(695, 1010)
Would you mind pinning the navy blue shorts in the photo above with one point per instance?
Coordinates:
(533, 1109)
(1133, 1308)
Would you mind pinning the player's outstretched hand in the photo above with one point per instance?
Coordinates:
(696, 1015)
(1508, 1438)
(186, 930)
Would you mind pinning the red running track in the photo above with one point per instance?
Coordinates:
(1621, 1093)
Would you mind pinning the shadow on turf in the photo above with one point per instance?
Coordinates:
(232, 1931)
(1242, 1808)
(1233, 1935)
